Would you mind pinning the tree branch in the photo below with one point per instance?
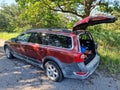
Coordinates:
(59, 8)
(67, 11)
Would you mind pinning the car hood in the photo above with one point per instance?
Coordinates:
(93, 20)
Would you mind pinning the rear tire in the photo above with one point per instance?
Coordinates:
(8, 53)
(53, 71)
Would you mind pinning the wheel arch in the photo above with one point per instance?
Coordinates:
(55, 60)
(50, 58)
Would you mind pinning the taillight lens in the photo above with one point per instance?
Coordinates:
(79, 58)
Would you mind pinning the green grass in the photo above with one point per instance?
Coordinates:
(6, 36)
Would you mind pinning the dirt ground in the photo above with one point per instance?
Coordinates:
(18, 75)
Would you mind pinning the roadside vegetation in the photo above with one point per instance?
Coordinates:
(7, 36)
(27, 14)
(108, 47)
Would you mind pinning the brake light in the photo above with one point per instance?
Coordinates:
(79, 58)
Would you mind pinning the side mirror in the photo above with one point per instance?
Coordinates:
(13, 39)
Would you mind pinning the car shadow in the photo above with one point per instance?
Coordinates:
(16, 73)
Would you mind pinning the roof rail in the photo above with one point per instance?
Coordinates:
(52, 29)
(58, 29)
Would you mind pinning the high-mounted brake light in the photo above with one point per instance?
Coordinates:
(79, 58)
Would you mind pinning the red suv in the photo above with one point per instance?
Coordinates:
(61, 53)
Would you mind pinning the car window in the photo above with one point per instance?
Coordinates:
(45, 39)
(56, 40)
(24, 37)
(35, 38)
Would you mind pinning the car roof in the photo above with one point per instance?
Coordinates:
(53, 31)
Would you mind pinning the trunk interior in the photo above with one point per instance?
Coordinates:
(87, 46)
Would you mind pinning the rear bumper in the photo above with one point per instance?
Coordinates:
(87, 69)
(90, 67)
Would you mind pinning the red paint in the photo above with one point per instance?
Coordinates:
(93, 20)
(79, 58)
(39, 51)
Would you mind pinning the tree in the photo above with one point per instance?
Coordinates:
(3, 22)
(80, 8)
(16, 18)
(38, 15)
(9, 14)
(10, 18)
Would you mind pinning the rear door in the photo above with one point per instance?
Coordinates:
(33, 45)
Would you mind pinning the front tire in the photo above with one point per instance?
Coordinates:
(53, 71)
(8, 53)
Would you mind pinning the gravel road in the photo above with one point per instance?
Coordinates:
(18, 75)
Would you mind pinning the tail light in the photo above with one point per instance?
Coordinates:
(79, 58)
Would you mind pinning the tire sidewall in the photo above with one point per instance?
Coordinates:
(60, 74)
(10, 54)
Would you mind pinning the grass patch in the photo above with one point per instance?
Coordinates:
(6, 36)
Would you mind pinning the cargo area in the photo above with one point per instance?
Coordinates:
(87, 46)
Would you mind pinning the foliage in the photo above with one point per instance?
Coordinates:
(108, 46)
(80, 8)
(13, 19)
(10, 18)
(110, 6)
(6, 35)
(3, 22)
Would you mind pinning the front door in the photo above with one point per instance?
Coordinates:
(22, 43)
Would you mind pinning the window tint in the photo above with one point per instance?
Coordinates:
(47, 39)
(36, 38)
(24, 37)
(57, 40)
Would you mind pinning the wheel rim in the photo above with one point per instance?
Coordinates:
(7, 51)
(52, 72)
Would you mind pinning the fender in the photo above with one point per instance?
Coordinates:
(57, 61)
